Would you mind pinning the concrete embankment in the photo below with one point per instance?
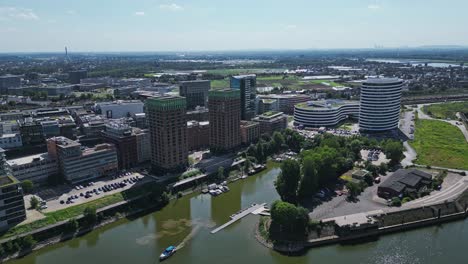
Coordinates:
(371, 225)
(397, 221)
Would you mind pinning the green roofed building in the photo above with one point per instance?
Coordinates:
(168, 132)
(225, 115)
(12, 210)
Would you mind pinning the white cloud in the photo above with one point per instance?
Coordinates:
(7, 13)
(71, 12)
(290, 26)
(8, 30)
(373, 6)
(139, 13)
(171, 7)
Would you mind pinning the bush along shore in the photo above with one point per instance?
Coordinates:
(15, 246)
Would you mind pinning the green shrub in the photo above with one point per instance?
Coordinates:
(396, 201)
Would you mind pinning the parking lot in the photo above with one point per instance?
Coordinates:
(83, 193)
(377, 157)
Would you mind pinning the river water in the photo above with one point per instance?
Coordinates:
(187, 222)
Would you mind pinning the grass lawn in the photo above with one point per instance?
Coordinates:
(326, 82)
(219, 84)
(446, 110)
(440, 144)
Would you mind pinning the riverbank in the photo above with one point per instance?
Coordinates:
(114, 215)
(361, 227)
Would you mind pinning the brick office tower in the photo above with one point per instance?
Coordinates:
(225, 117)
(168, 133)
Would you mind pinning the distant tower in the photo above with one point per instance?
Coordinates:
(66, 55)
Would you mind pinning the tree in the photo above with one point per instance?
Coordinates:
(27, 186)
(27, 242)
(72, 225)
(287, 220)
(247, 164)
(259, 152)
(278, 141)
(90, 215)
(354, 189)
(34, 202)
(383, 168)
(394, 151)
(355, 146)
(310, 179)
(287, 182)
(220, 175)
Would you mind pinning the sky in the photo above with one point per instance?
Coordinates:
(204, 25)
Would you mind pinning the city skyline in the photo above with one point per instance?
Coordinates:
(184, 25)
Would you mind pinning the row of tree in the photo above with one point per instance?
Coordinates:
(267, 146)
(13, 246)
(326, 158)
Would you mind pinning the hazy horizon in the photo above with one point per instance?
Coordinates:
(208, 25)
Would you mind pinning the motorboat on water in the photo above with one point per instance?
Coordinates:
(169, 251)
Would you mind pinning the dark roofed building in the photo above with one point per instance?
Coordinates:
(403, 180)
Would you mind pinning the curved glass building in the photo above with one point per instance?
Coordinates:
(380, 104)
(324, 113)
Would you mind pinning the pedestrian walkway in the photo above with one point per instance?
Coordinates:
(234, 218)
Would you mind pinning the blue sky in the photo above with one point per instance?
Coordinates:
(172, 25)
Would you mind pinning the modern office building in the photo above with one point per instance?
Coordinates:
(143, 143)
(247, 84)
(74, 77)
(36, 168)
(281, 102)
(119, 108)
(167, 122)
(224, 106)
(195, 92)
(9, 81)
(31, 132)
(77, 164)
(380, 104)
(271, 122)
(250, 132)
(325, 113)
(121, 135)
(8, 141)
(12, 209)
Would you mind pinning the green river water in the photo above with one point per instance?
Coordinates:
(188, 221)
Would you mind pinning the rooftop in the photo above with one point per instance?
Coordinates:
(269, 115)
(326, 104)
(28, 159)
(244, 76)
(382, 80)
(6, 180)
(402, 178)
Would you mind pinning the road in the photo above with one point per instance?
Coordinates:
(410, 155)
(452, 187)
